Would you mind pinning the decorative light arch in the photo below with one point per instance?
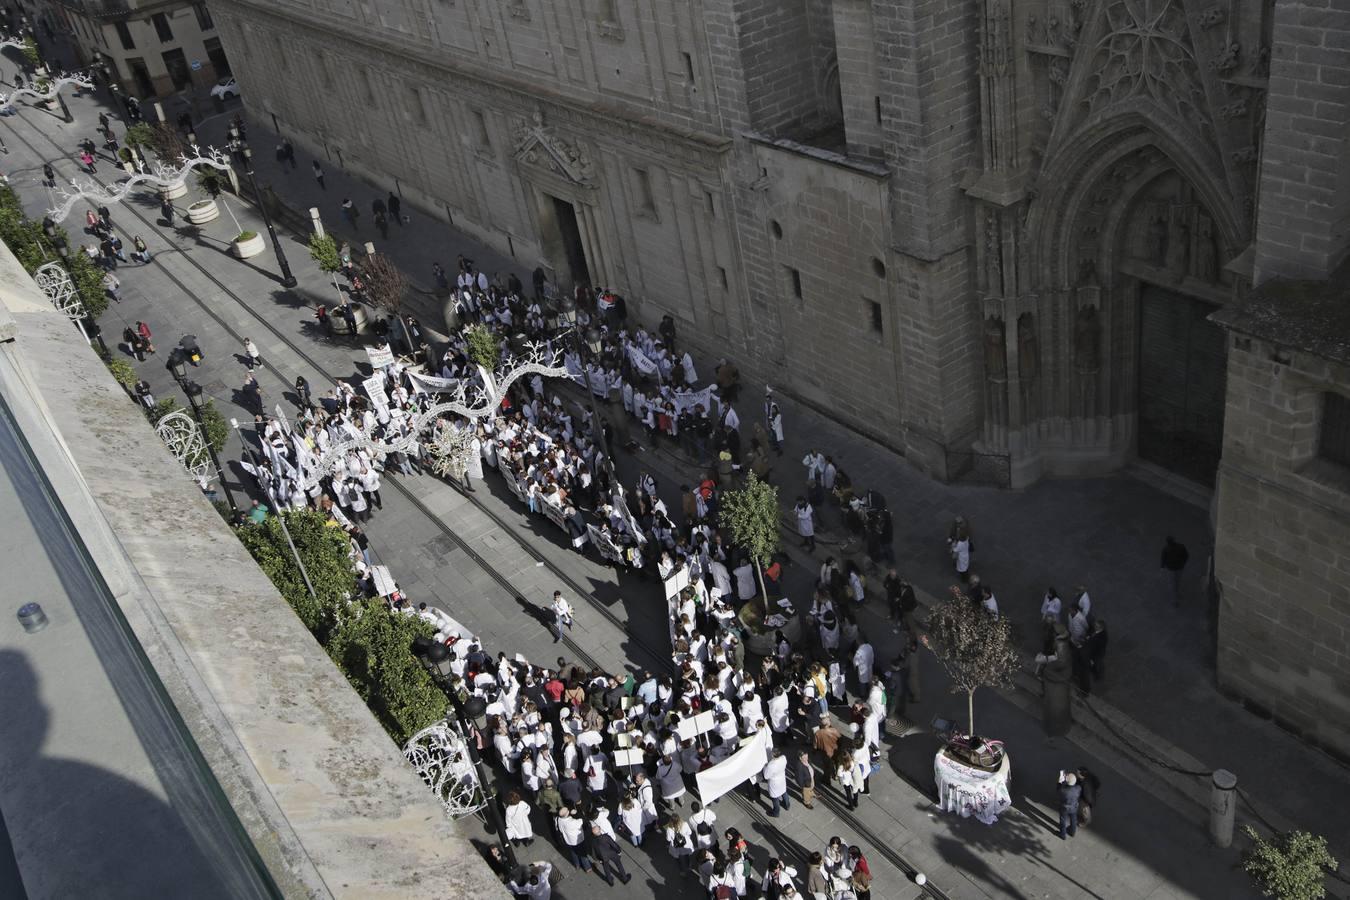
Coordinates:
(183, 437)
(162, 178)
(440, 755)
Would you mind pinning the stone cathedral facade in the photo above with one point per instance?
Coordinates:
(1004, 237)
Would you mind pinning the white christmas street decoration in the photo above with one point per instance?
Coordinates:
(537, 359)
(162, 178)
(441, 757)
(16, 43)
(450, 450)
(54, 281)
(180, 434)
(80, 81)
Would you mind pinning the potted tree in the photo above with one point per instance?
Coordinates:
(975, 647)
(751, 515)
(208, 209)
(323, 250)
(486, 353)
(1290, 866)
(385, 288)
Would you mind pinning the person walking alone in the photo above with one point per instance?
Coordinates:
(350, 212)
(1174, 559)
(252, 358)
(396, 208)
(1070, 793)
(318, 175)
(608, 856)
(562, 615)
(806, 524)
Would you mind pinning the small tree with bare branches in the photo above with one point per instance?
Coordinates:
(976, 647)
(386, 286)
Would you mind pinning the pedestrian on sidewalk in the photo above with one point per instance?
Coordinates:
(382, 223)
(396, 208)
(288, 153)
(1174, 559)
(350, 212)
(143, 330)
(562, 615)
(48, 175)
(805, 776)
(112, 286)
(142, 252)
(87, 160)
(1070, 795)
(608, 856)
(775, 780)
(166, 211)
(773, 417)
(1090, 784)
(253, 394)
(806, 523)
(302, 393)
(252, 358)
(318, 175)
(143, 394)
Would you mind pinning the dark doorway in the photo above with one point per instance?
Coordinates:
(571, 241)
(179, 74)
(1182, 375)
(145, 86)
(219, 62)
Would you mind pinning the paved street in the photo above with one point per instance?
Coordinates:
(477, 559)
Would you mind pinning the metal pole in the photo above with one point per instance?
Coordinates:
(65, 110)
(215, 460)
(496, 817)
(267, 486)
(287, 279)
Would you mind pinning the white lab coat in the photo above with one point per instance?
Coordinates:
(518, 826)
(775, 776)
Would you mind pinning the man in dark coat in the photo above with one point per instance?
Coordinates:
(1070, 792)
(1174, 559)
(1056, 673)
(608, 854)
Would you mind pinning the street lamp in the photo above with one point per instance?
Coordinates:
(470, 713)
(236, 139)
(194, 395)
(272, 498)
(176, 365)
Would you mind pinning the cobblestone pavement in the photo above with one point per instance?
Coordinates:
(479, 559)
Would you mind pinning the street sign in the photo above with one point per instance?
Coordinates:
(196, 64)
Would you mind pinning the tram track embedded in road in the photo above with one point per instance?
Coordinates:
(658, 657)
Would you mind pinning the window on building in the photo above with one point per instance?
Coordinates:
(1333, 444)
(204, 21)
(367, 86)
(282, 54)
(162, 27)
(124, 33)
(795, 280)
(722, 277)
(417, 107)
(878, 100)
(646, 200)
(711, 202)
(875, 308)
(609, 10)
(481, 130)
(688, 67)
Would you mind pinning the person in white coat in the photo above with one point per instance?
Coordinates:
(774, 418)
(518, 828)
(806, 524)
(775, 781)
(573, 838)
(633, 819)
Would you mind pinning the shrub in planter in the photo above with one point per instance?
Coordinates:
(1290, 866)
(122, 372)
(245, 236)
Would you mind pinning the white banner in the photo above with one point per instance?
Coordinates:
(380, 356)
(432, 384)
(687, 400)
(643, 364)
(379, 400)
(740, 766)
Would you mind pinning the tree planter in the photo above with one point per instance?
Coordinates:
(761, 640)
(203, 211)
(338, 325)
(128, 168)
(249, 246)
(173, 193)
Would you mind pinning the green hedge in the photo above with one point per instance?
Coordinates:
(32, 248)
(367, 642)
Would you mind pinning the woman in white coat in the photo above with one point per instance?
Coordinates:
(806, 524)
(518, 828)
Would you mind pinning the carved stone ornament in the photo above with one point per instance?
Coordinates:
(1146, 51)
(540, 146)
